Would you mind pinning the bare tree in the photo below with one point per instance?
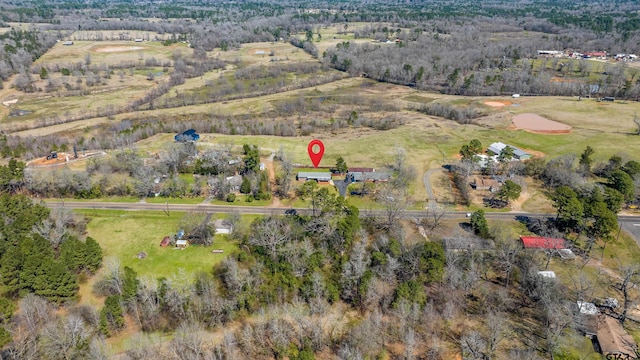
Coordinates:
(65, 338)
(498, 329)
(271, 233)
(143, 346)
(506, 252)
(433, 218)
(189, 342)
(630, 278)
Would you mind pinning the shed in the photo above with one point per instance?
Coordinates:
(165, 241)
(481, 183)
(181, 244)
(518, 154)
(547, 274)
(317, 176)
(187, 136)
(538, 242)
(614, 341)
(222, 226)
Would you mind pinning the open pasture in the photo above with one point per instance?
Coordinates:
(109, 52)
(124, 235)
(263, 53)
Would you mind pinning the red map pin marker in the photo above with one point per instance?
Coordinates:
(316, 157)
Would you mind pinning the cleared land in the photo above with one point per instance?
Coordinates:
(124, 235)
(537, 123)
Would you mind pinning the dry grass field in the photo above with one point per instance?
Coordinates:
(428, 141)
(109, 52)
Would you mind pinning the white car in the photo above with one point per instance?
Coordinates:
(469, 215)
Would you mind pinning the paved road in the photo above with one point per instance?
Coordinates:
(208, 208)
(632, 226)
(630, 223)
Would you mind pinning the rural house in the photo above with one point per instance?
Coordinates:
(373, 176)
(222, 226)
(538, 242)
(518, 154)
(317, 176)
(165, 241)
(483, 184)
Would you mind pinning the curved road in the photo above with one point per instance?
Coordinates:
(431, 198)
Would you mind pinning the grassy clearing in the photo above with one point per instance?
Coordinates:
(123, 235)
(185, 200)
(121, 199)
(109, 52)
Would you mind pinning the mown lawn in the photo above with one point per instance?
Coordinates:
(124, 234)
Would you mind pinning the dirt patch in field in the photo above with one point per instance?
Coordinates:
(112, 49)
(497, 103)
(63, 158)
(256, 51)
(538, 124)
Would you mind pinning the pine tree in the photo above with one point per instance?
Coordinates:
(245, 188)
(479, 224)
(56, 282)
(111, 316)
(131, 284)
(93, 255)
(72, 254)
(11, 265)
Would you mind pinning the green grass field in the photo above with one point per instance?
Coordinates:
(123, 235)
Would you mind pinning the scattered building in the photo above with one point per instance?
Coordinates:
(483, 184)
(360, 169)
(538, 242)
(368, 176)
(222, 227)
(547, 274)
(317, 176)
(551, 53)
(187, 136)
(595, 54)
(182, 243)
(613, 341)
(234, 182)
(566, 254)
(165, 241)
(518, 154)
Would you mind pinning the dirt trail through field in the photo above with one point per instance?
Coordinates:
(275, 201)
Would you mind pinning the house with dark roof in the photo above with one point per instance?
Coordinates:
(482, 183)
(187, 136)
(317, 176)
(373, 176)
(538, 242)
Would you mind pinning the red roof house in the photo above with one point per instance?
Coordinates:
(537, 242)
(165, 241)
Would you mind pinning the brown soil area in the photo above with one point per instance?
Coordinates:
(498, 103)
(62, 159)
(536, 123)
